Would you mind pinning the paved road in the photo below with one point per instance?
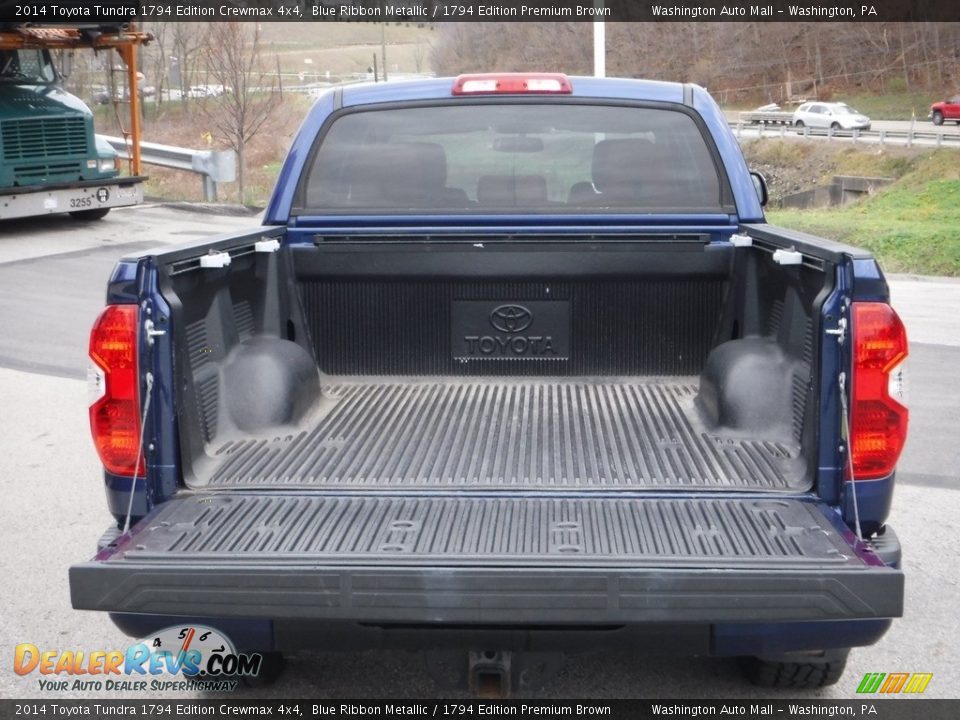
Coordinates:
(53, 507)
(950, 131)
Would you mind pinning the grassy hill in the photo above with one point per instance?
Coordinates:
(912, 225)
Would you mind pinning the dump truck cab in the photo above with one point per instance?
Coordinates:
(47, 133)
(51, 160)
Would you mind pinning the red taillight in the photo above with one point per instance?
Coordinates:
(513, 84)
(115, 415)
(878, 424)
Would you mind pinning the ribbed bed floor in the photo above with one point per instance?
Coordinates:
(466, 530)
(521, 434)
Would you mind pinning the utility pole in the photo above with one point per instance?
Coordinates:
(599, 43)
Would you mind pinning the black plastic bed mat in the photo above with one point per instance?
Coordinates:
(521, 434)
(507, 559)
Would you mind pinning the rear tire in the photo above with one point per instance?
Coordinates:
(85, 215)
(938, 118)
(834, 126)
(799, 125)
(794, 675)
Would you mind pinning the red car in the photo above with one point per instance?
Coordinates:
(946, 110)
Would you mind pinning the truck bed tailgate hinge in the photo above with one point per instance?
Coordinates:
(840, 331)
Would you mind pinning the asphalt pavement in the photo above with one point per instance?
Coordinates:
(52, 278)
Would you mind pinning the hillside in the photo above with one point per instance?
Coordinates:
(910, 225)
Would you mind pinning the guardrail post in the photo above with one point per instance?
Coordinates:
(856, 134)
(939, 139)
(830, 133)
(739, 129)
(783, 130)
(209, 189)
(760, 129)
(806, 132)
(883, 137)
(214, 167)
(910, 138)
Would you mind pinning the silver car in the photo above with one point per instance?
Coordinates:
(838, 116)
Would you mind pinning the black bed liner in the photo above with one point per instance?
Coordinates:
(435, 557)
(522, 434)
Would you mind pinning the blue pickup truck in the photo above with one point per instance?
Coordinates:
(514, 362)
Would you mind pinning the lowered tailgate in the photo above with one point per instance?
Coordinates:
(490, 559)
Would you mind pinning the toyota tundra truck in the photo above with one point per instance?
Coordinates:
(513, 363)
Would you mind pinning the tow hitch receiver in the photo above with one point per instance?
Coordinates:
(489, 673)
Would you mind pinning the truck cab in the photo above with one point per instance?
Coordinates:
(51, 160)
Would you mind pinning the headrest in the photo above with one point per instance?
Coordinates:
(430, 161)
(402, 175)
(618, 164)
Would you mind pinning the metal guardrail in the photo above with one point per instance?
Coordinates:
(771, 117)
(215, 166)
(927, 138)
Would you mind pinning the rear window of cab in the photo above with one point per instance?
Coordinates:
(512, 157)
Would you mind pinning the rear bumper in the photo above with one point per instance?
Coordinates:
(489, 596)
(294, 635)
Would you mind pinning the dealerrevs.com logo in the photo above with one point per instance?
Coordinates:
(185, 657)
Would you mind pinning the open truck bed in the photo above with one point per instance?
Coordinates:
(519, 434)
(354, 365)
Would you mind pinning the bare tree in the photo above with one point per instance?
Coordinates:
(420, 53)
(245, 97)
(187, 39)
(492, 46)
(155, 58)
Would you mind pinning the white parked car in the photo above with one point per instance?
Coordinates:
(204, 91)
(838, 116)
